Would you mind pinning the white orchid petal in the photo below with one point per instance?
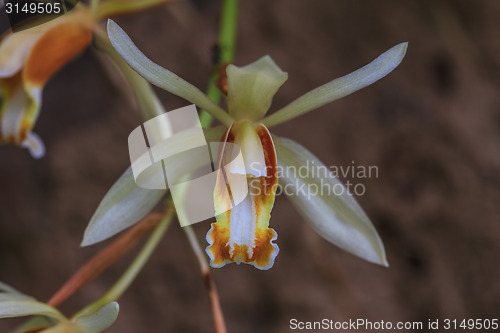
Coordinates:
(126, 202)
(20, 308)
(254, 162)
(340, 87)
(337, 218)
(35, 145)
(251, 88)
(123, 205)
(243, 204)
(99, 320)
(14, 49)
(160, 76)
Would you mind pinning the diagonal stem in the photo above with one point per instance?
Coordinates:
(94, 8)
(105, 258)
(218, 316)
(135, 267)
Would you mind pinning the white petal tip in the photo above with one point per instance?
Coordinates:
(403, 47)
(35, 146)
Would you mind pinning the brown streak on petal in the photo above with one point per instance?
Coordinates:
(9, 85)
(11, 139)
(24, 128)
(53, 50)
(269, 183)
(221, 81)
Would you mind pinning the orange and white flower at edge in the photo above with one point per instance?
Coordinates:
(28, 59)
(242, 233)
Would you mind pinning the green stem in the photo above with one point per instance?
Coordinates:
(228, 29)
(133, 270)
(227, 45)
(94, 8)
(195, 245)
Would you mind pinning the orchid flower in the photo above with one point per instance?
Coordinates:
(47, 319)
(29, 58)
(242, 233)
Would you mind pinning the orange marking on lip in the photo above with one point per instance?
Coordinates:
(220, 248)
(221, 251)
(262, 191)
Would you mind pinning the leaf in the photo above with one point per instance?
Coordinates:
(99, 320)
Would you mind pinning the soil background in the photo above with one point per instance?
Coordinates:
(432, 127)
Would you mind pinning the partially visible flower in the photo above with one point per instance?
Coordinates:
(48, 319)
(242, 233)
(29, 58)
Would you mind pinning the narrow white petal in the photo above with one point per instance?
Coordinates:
(333, 213)
(254, 162)
(160, 76)
(20, 308)
(340, 87)
(35, 145)
(126, 202)
(123, 205)
(14, 50)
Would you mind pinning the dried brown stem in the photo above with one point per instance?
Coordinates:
(105, 258)
(218, 316)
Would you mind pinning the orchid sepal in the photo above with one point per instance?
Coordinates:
(160, 76)
(337, 217)
(251, 88)
(341, 87)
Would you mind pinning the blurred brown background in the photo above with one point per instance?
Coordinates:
(432, 127)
